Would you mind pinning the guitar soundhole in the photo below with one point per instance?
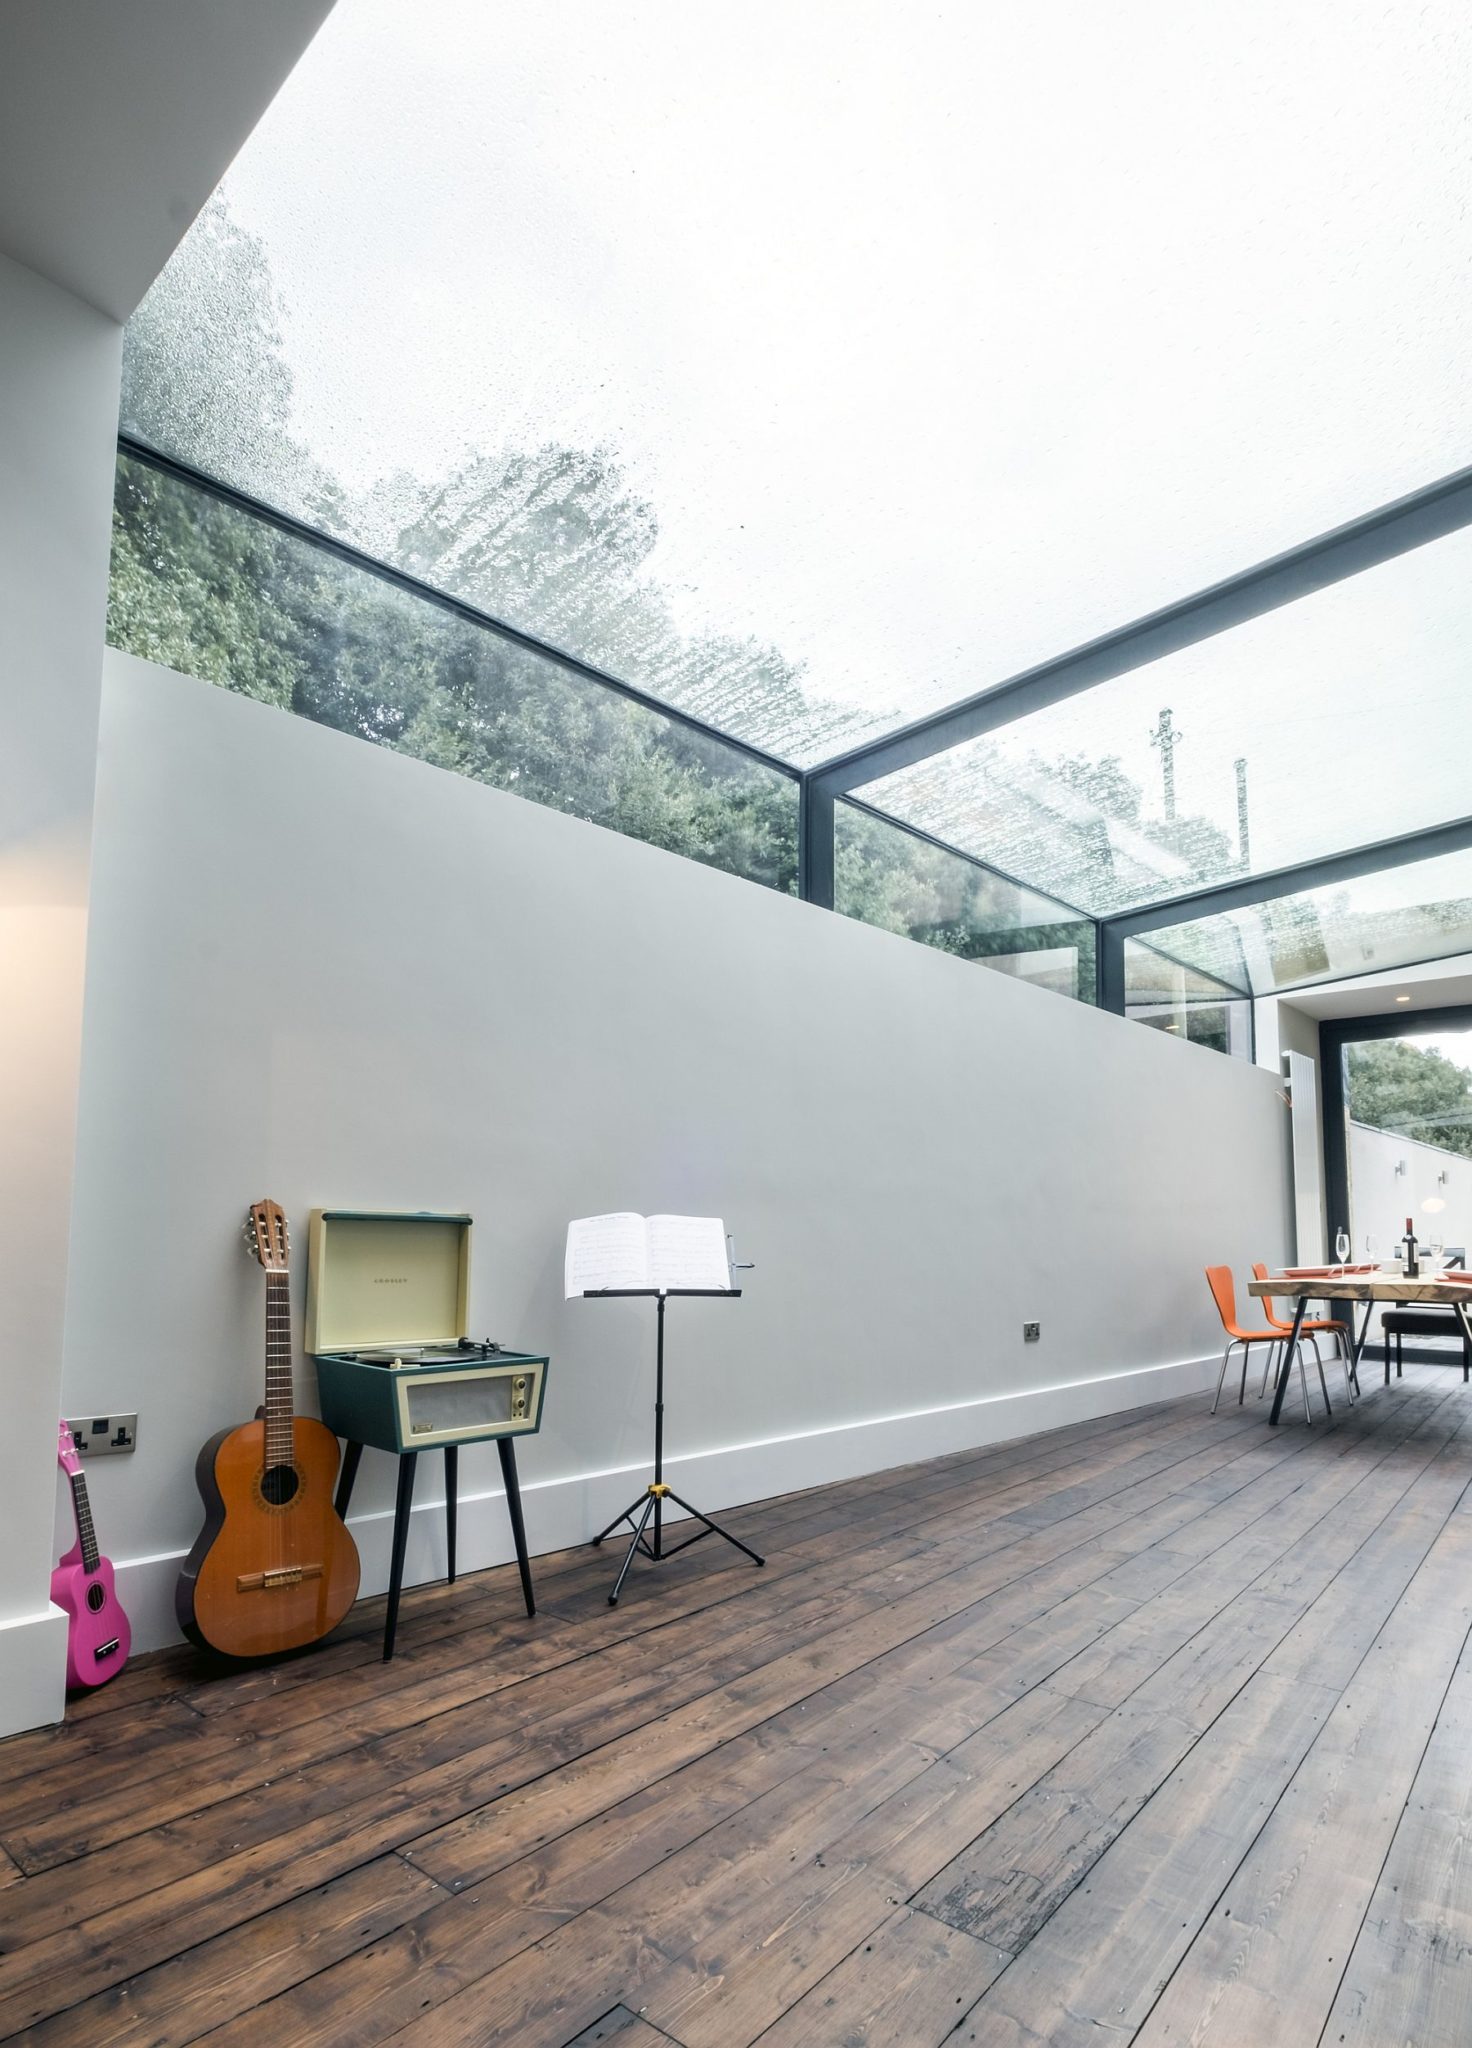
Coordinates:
(279, 1484)
(97, 1598)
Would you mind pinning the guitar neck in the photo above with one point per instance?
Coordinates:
(279, 1404)
(82, 1509)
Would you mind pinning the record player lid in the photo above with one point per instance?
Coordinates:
(377, 1278)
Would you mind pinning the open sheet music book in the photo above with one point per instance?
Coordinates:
(654, 1251)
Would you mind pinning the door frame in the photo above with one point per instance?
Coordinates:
(1335, 1033)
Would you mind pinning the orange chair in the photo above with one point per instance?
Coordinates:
(1312, 1327)
(1224, 1294)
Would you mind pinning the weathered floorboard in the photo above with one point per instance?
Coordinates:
(1158, 1727)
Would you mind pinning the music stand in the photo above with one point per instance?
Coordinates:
(650, 1503)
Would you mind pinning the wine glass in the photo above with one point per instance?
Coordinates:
(1437, 1245)
(1341, 1245)
(1372, 1248)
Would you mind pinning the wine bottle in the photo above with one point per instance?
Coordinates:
(1412, 1269)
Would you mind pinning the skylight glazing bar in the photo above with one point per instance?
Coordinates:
(1440, 509)
(1291, 881)
(816, 828)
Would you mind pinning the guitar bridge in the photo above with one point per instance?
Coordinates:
(106, 1649)
(280, 1575)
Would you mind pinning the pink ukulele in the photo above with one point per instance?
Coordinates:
(97, 1636)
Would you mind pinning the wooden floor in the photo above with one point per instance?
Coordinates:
(1155, 1729)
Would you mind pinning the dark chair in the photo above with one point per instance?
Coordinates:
(1397, 1324)
(1310, 1330)
(1426, 1322)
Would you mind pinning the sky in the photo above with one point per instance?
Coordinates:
(940, 337)
(1455, 1046)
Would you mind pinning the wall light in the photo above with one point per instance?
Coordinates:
(1402, 999)
(1400, 1167)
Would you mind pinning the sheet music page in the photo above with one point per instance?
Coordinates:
(606, 1251)
(688, 1251)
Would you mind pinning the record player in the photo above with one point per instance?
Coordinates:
(387, 1322)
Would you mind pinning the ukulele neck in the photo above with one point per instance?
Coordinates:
(86, 1534)
(278, 1371)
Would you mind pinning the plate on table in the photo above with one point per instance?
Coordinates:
(1326, 1272)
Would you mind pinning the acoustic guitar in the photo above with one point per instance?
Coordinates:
(274, 1567)
(97, 1634)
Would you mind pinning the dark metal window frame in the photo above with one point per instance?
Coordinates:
(1335, 1035)
(1430, 514)
(1440, 509)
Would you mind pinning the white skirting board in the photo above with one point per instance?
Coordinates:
(562, 1512)
(32, 1670)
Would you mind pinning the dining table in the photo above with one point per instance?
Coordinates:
(1333, 1283)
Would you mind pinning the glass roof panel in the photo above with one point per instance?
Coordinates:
(1169, 996)
(1397, 918)
(1334, 722)
(815, 366)
(886, 876)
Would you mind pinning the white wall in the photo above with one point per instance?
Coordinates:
(1381, 1199)
(340, 977)
(1282, 1030)
(58, 418)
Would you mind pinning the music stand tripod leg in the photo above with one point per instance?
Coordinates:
(618, 1584)
(628, 1515)
(716, 1529)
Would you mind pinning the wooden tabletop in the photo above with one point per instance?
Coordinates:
(1363, 1287)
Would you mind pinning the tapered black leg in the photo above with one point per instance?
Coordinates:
(1290, 1352)
(452, 1503)
(349, 1472)
(507, 1448)
(1364, 1338)
(402, 1506)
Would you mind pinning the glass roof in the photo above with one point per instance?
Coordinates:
(1397, 918)
(1339, 720)
(816, 366)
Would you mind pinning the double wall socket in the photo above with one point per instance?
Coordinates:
(100, 1436)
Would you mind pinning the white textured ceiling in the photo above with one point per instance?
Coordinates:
(117, 120)
(1434, 986)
